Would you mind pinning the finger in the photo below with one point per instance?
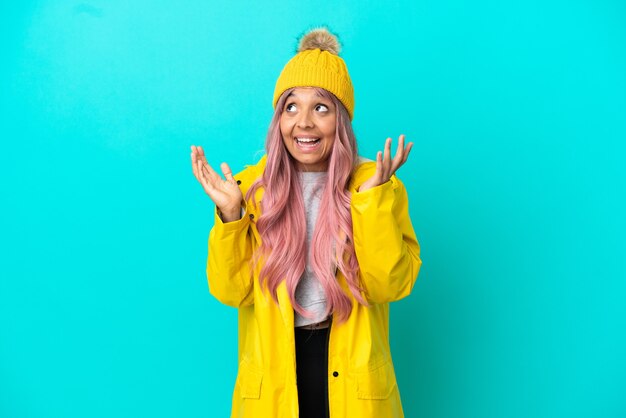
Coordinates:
(387, 159)
(379, 165)
(194, 152)
(227, 172)
(194, 164)
(400, 148)
(194, 167)
(194, 160)
(199, 174)
(397, 159)
(196, 157)
(204, 179)
(406, 152)
(200, 153)
(208, 171)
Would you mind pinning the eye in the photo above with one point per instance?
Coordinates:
(289, 105)
(325, 108)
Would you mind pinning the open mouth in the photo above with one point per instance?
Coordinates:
(308, 145)
(307, 141)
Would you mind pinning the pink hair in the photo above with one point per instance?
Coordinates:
(282, 224)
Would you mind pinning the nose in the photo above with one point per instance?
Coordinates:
(305, 120)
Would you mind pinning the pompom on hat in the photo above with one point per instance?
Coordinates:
(317, 64)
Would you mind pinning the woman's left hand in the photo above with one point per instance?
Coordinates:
(385, 166)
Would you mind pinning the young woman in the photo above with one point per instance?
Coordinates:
(311, 244)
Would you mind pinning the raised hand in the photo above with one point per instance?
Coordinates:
(224, 193)
(385, 165)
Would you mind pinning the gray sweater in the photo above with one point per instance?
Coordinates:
(310, 293)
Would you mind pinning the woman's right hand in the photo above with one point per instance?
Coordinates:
(224, 193)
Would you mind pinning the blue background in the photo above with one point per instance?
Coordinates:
(516, 184)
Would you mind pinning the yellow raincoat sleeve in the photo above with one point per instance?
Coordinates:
(228, 272)
(385, 242)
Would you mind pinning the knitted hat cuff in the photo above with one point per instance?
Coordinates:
(314, 76)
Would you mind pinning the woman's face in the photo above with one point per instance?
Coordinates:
(307, 124)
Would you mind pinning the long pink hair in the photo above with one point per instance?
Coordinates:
(282, 224)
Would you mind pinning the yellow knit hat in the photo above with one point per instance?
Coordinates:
(317, 64)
